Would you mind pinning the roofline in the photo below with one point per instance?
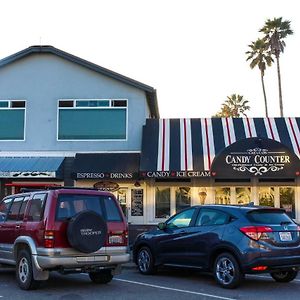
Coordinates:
(150, 91)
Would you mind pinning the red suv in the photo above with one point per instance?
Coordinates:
(66, 230)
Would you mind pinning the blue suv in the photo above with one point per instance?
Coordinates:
(229, 241)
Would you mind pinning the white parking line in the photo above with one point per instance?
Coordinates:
(175, 290)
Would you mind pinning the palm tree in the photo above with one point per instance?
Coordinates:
(261, 57)
(275, 32)
(234, 106)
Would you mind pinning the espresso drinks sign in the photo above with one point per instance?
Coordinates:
(256, 157)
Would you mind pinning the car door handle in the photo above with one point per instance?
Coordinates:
(18, 226)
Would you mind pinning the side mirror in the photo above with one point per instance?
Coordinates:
(162, 226)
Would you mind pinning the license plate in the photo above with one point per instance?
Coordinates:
(285, 236)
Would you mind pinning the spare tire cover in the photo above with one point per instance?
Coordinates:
(87, 231)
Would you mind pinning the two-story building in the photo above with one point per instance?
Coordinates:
(65, 120)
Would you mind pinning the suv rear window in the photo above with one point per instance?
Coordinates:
(69, 205)
(269, 217)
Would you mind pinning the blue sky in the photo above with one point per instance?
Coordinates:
(191, 51)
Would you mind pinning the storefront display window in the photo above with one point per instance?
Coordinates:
(162, 202)
(266, 196)
(222, 195)
(183, 198)
(243, 195)
(202, 193)
(287, 200)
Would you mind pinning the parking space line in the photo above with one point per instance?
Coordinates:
(172, 289)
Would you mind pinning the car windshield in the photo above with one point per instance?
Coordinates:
(276, 217)
(68, 205)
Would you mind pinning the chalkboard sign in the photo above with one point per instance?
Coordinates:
(137, 202)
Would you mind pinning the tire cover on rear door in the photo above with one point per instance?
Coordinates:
(87, 231)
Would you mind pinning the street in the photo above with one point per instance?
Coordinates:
(167, 284)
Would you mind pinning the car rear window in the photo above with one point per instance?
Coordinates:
(68, 205)
(268, 217)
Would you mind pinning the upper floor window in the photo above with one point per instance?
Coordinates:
(12, 120)
(92, 119)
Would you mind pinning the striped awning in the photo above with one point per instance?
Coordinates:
(187, 147)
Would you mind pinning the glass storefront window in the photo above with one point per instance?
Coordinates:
(287, 200)
(162, 202)
(222, 195)
(202, 193)
(183, 198)
(266, 196)
(121, 196)
(243, 195)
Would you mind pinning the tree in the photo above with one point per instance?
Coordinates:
(275, 32)
(234, 106)
(260, 56)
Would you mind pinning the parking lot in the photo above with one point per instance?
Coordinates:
(167, 284)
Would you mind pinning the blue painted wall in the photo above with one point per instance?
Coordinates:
(42, 79)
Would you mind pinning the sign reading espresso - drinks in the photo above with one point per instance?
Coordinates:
(255, 157)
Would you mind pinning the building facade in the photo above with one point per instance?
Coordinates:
(66, 121)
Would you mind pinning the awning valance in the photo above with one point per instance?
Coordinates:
(106, 166)
(31, 167)
(183, 148)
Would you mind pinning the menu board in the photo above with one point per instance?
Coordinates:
(137, 202)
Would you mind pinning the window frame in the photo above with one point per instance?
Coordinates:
(92, 108)
(16, 108)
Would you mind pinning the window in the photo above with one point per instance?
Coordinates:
(183, 219)
(162, 202)
(97, 119)
(14, 209)
(266, 196)
(222, 195)
(263, 216)
(243, 195)
(12, 116)
(183, 198)
(36, 207)
(208, 217)
(4, 208)
(287, 200)
(69, 205)
(23, 207)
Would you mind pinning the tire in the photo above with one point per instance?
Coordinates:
(87, 231)
(145, 261)
(284, 276)
(24, 272)
(102, 277)
(227, 271)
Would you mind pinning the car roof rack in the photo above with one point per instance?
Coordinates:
(69, 188)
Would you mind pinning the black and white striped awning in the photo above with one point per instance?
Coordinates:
(187, 147)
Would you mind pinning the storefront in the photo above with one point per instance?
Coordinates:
(17, 173)
(224, 161)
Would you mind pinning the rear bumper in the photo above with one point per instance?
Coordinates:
(109, 257)
(273, 264)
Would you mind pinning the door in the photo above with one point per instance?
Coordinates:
(172, 245)
(9, 226)
(207, 234)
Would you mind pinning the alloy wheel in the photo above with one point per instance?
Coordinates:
(225, 271)
(23, 269)
(144, 260)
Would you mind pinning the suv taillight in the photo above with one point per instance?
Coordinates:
(255, 232)
(117, 238)
(49, 239)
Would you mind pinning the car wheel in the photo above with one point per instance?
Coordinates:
(24, 272)
(145, 261)
(102, 277)
(227, 271)
(284, 276)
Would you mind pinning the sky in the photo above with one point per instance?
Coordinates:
(191, 51)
